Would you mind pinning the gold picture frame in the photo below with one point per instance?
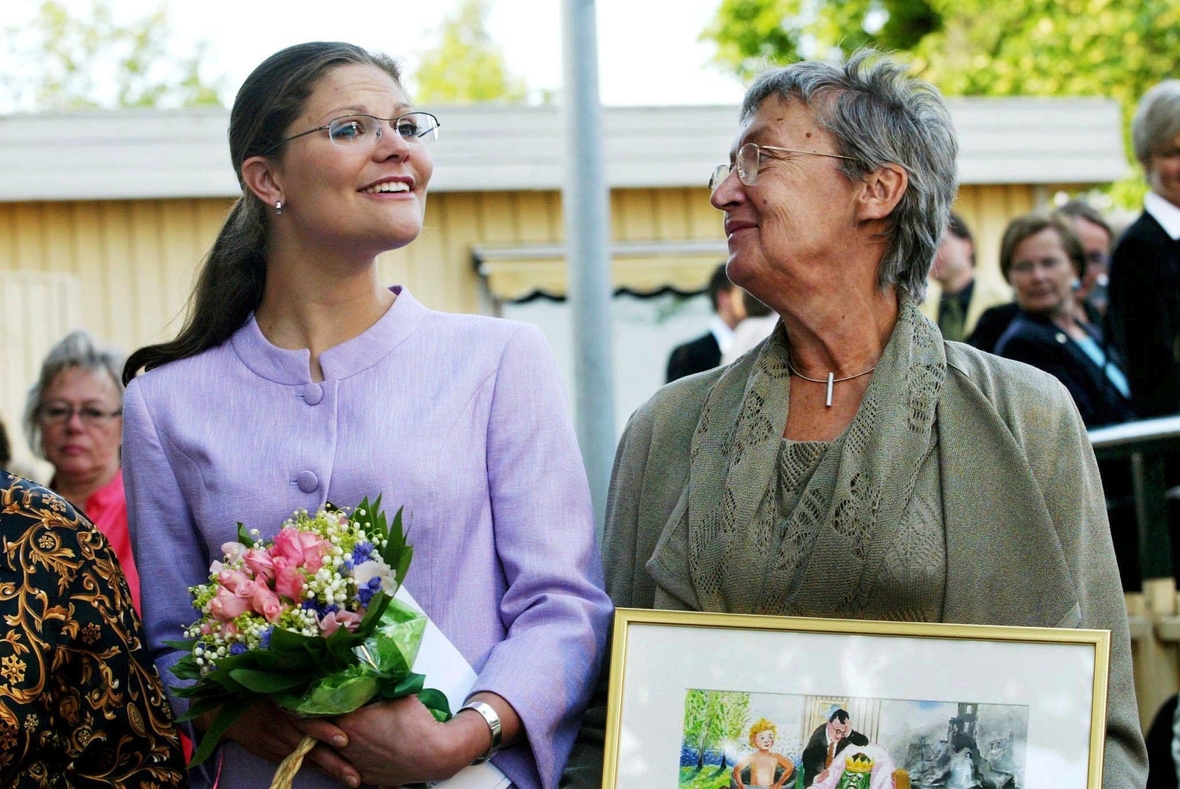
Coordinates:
(686, 688)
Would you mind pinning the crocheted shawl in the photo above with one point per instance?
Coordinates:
(726, 526)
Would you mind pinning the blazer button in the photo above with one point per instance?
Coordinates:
(1061, 338)
(313, 394)
(307, 481)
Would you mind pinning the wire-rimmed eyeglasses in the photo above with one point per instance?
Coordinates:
(748, 159)
(61, 413)
(356, 131)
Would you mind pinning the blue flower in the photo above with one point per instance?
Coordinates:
(266, 637)
(237, 648)
(361, 551)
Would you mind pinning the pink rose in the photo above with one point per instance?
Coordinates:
(267, 603)
(227, 605)
(288, 580)
(313, 556)
(260, 564)
(333, 621)
(232, 579)
(229, 630)
(206, 629)
(246, 589)
(300, 548)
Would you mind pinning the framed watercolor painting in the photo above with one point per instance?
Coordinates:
(729, 701)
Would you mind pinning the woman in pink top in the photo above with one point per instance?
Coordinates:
(74, 419)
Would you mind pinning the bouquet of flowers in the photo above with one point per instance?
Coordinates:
(308, 620)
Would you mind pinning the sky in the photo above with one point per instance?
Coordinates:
(649, 52)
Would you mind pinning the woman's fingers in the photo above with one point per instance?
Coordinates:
(323, 730)
(330, 761)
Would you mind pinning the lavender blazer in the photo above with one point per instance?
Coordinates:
(461, 419)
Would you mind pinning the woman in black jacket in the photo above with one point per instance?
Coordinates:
(1043, 261)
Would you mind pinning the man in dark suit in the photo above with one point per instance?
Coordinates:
(826, 743)
(704, 353)
(955, 297)
(1144, 313)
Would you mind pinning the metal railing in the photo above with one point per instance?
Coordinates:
(1152, 612)
(1145, 442)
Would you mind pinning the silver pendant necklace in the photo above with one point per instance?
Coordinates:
(831, 380)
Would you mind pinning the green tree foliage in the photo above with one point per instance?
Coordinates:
(713, 718)
(1109, 48)
(968, 47)
(467, 66)
(63, 61)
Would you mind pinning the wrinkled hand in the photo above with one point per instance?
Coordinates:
(271, 733)
(399, 742)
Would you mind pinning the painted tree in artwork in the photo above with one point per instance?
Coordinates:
(698, 712)
(711, 719)
(734, 714)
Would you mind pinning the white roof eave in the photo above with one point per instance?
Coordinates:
(146, 154)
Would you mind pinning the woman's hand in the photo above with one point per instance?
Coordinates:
(268, 731)
(399, 742)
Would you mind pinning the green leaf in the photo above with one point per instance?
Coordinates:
(410, 684)
(230, 712)
(202, 706)
(267, 683)
(436, 701)
(284, 661)
(244, 536)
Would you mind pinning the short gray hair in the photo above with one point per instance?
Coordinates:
(76, 349)
(1157, 119)
(879, 115)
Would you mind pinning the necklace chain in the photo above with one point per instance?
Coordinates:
(831, 380)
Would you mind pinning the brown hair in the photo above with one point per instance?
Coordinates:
(229, 285)
(1029, 225)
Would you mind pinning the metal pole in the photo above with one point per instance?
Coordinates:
(586, 205)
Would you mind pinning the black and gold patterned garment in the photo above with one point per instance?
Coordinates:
(80, 702)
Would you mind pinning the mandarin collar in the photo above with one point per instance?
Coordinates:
(293, 367)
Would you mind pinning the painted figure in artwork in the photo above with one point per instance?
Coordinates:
(763, 767)
(827, 742)
(863, 767)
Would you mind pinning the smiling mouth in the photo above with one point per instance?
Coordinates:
(390, 186)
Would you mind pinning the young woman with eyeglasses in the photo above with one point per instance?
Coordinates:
(300, 379)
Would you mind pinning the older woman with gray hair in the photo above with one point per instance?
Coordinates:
(855, 464)
(74, 420)
(1144, 314)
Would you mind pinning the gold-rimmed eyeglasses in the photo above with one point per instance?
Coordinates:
(748, 159)
(61, 413)
(358, 131)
